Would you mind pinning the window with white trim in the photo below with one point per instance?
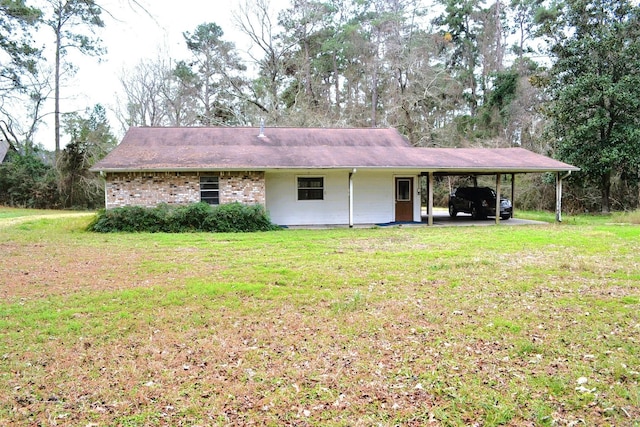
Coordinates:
(210, 190)
(310, 188)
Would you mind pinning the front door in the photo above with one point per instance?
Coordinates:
(404, 199)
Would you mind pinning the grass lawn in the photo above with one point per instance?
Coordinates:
(441, 326)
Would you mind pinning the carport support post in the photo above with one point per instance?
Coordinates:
(430, 202)
(559, 197)
(498, 198)
(513, 193)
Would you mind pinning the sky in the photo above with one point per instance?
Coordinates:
(131, 35)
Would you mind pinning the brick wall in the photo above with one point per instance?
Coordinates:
(243, 187)
(151, 189)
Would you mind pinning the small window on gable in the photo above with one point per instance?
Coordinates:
(310, 188)
(210, 190)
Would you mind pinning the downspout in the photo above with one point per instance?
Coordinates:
(559, 195)
(351, 197)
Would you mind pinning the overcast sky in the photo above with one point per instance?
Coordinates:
(131, 35)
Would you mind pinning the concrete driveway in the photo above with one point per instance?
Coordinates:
(441, 217)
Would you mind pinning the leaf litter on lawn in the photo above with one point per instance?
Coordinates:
(331, 327)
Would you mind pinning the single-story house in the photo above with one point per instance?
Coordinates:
(303, 176)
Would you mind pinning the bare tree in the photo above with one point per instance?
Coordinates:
(145, 90)
(22, 114)
(256, 19)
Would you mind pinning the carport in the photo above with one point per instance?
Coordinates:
(491, 161)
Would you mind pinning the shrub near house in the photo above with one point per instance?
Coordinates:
(227, 218)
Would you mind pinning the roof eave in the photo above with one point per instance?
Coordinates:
(426, 169)
(500, 170)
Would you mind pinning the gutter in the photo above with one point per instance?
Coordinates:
(565, 175)
(435, 171)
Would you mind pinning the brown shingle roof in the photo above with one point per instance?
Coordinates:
(201, 148)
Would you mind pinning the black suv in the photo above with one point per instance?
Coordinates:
(480, 202)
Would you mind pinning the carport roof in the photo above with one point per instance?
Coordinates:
(161, 149)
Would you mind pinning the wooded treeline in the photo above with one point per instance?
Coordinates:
(29, 175)
(560, 78)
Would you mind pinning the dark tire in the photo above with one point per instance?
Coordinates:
(505, 217)
(475, 213)
(452, 211)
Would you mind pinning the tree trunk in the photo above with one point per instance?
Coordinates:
(56, 112)
(499, 54)
(374, 96)
(605, 187)
(307, 72)
(336, 82)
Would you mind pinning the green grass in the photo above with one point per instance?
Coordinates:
(631, 217)
(19, 212)
(387, 326)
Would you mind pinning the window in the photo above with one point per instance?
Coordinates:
(310, 188)
(210, 190)
(403, 190)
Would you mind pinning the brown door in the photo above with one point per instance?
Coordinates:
(404, 199)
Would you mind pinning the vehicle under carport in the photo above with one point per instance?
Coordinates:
(496, 162)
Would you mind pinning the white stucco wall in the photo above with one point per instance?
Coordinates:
(285, 208)
(373, 197)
